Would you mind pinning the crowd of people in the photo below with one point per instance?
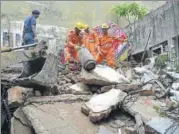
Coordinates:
(100, 46)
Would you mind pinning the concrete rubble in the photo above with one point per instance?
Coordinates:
(102, 75)
(161, 124)
(100, 106)
(101, 101)
(20, 123)
(17, 95)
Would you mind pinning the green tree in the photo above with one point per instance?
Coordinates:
(130, 12)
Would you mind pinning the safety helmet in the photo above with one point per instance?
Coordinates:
(86, 26)
(104, 26)
(79, 25)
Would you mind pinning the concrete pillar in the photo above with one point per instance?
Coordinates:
(170, 48)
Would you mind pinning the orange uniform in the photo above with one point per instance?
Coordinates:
(90, 41)
(106, 49)
(72, 40)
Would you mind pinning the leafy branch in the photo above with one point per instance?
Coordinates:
(130, 12)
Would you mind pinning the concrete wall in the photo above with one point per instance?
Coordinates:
(164, 25)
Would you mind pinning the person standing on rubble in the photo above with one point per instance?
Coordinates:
(90, 40)
(29, 31)
(105, 47)
(73, 43)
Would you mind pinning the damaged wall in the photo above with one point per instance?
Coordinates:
(163, 23)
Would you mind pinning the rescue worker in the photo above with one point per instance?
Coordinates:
(73, 43)
(105, 48)
(90, 40)
(29, 31)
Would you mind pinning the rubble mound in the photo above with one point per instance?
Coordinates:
(100, 106)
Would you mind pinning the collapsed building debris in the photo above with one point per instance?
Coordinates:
(100, 106)
(138, 91)
(138, 99)
(102, 75)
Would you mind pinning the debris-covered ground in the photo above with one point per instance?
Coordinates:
(142, 100)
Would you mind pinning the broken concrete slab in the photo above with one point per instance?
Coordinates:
(59, 118)
(143, 106)
(16, 95)
(163, 125)
(18, 128)
(102, 75)
(18, 114)
(49, 73)
(79, 88)
(100, 106)
(20, 124)
(58, 98)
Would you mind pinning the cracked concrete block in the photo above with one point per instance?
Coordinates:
(20, 124)
(16, 95)
(100, 106)
(59, 118)
(102, 75)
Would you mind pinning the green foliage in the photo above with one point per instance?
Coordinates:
(161, 60)
(127, 11)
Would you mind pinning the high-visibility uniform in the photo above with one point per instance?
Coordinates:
(72, 40)
(107, 51)
(90, 41)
